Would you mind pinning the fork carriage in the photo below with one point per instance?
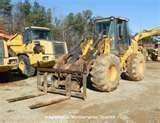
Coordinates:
(69, 82)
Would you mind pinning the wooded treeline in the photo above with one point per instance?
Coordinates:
(21, 14)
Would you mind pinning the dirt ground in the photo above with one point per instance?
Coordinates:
(131, 102)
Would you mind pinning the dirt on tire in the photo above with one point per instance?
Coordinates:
(105, 74)
(135, 67)
(28, 70)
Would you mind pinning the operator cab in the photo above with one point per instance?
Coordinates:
(36, 33)
(117, 29)
(42, 38)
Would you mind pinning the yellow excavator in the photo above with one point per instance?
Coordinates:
(99, 61)
(153, 50)
(35, 47)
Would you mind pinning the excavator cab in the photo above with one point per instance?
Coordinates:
(117, 29)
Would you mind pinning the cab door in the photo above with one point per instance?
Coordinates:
(27, 39)
(122, 36)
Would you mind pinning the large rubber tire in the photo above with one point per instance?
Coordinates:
(26, 70)
(135, 67)
(105, 74)
(154, 57)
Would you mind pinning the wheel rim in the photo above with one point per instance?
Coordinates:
(112, 73)
(22, 65)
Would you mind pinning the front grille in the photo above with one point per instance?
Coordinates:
(59, 48)
(1, 52)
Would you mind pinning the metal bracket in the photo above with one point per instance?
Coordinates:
(68, 82)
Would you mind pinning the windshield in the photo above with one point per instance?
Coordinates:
(103, 27)
(41, 34)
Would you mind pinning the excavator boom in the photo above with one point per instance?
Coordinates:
(153, 52)
(146, 33)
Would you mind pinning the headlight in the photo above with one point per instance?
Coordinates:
(12, 61)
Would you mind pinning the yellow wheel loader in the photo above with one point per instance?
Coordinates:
(98, 61)
(34, 48)
(7, 62)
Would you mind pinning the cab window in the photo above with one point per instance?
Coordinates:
(27, 37)
(123, 36)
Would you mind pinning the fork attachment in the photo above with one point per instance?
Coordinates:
(63, 81)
